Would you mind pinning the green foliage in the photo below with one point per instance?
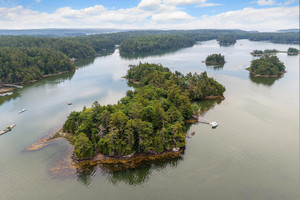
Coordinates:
(267, 65)
(154, 43)
(257, 52)
(265, 52)
(215, 59)
(22, 65)
(83, 147)
(226, 39)
(292, 51)
(148, 119)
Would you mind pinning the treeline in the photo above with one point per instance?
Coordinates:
(77, 47)
(267, 66)
(22, 65)
(154, 43)
(226, 39)
(149, 119)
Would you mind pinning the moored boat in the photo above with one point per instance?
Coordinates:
(23, 110)
(213, 124)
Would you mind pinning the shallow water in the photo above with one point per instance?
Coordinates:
(252, 154)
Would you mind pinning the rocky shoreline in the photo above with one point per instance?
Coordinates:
(107, 163)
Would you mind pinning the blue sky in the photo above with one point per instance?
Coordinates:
(265, 15)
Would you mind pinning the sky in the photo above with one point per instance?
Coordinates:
(261, 15)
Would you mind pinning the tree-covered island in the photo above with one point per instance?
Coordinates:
(292, 51)
(267, 66)
(150, 119)
(215, 59)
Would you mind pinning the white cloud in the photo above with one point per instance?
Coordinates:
(268, 19)
(149, 14)
(38, 1)
(150, 4)
(265, 2)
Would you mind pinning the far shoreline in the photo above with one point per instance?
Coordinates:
(11, 89)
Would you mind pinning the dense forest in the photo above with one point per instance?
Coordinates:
(149, 119)
(22, 65)
(292, 51)
(131, 43)
(215, 59)
(267, 66)
(154, 43)
(77, 47)
(226, 39)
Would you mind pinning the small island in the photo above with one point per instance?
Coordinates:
(150, 120)
(292, 51)
(267, 66)
(215, 59)
(265, 52)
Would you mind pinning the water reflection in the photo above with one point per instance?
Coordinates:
(4, 99)
(207, 104)
(215, 67)
(87, 61)
(85, 176)
(52, 80)
(134, 177)
(84, 62)
(268, 81)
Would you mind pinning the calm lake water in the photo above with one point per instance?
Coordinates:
(252, 154)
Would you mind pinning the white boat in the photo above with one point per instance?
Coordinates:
(23, 110)
(213, 124)
(176, 149)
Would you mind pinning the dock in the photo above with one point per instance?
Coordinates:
(7, 129)
(204, 121)
(12, 85)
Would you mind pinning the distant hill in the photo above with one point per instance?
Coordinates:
(288, 30)
(58, 32)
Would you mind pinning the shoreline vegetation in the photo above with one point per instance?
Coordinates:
(28, 58)
(267, 66)
(148, 125)
(108, 163)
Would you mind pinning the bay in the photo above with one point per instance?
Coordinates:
(252, 154)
